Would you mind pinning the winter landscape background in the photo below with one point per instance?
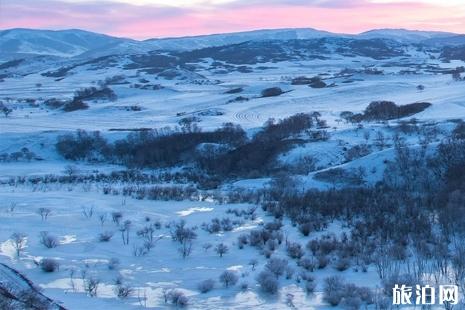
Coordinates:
(270, 169)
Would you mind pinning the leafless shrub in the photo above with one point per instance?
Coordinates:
(124, 229)
(49, 265)
(105, 236)
(102, 218)
(253, 262)
(88, 212)
(221, 249)
(229, 278)
(276, 266)
(47, 240)
(116, 217)
(122, 290)
(206, 286)
(207, 246)
(294, 250)
(113, 263)
(44, 213)
(242, 240)
(177, 298)
(268, 282)
(91, 286)
(186, 248)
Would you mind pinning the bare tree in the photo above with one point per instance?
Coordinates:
(207, 246)
(19, 242)
(228, 278)
(88, 212)
(44, 213)
(221, 249)
(124, 229)
(102, 218)
(253, 262)
(186, 248)
(116, 217)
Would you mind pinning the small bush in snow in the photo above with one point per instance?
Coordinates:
(113, 263)
(322, 261)
(333, 290)
(289, 272)
(342, 264)
(267, 253)
(294, 250)
(180, 233)
(48, 240)
(49, 265)
(253, 262)
(268, 282)
(277, 266)
(44, 213)
(349, 296)
(88, 212)
(206, 286)
(177, 298)
(272, 245)
(226, 224)
(271, 92)
(229, 278)
(351, 303)
(306, 229)
(75, 105)
(310, 287)
(105, 236)
(241, 241)
(244, 286)
(221, 249)
(307, 263)
(206, 246)
(91, 286)
(306, 276)
(122, 290)
(116, 217)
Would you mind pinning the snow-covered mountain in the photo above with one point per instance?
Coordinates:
(238, 37)
(213, 40)
(404, 35)
(20, 43)
(63, 43)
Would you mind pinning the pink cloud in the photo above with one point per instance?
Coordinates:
(151, 21)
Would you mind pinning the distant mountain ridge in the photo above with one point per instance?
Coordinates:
(65, 43)
(80, 43)
(404, 35)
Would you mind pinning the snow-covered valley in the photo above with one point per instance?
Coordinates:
(169, 207)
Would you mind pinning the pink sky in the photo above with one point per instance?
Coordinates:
(141, 19)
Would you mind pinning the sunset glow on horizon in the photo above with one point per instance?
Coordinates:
(142, 19)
